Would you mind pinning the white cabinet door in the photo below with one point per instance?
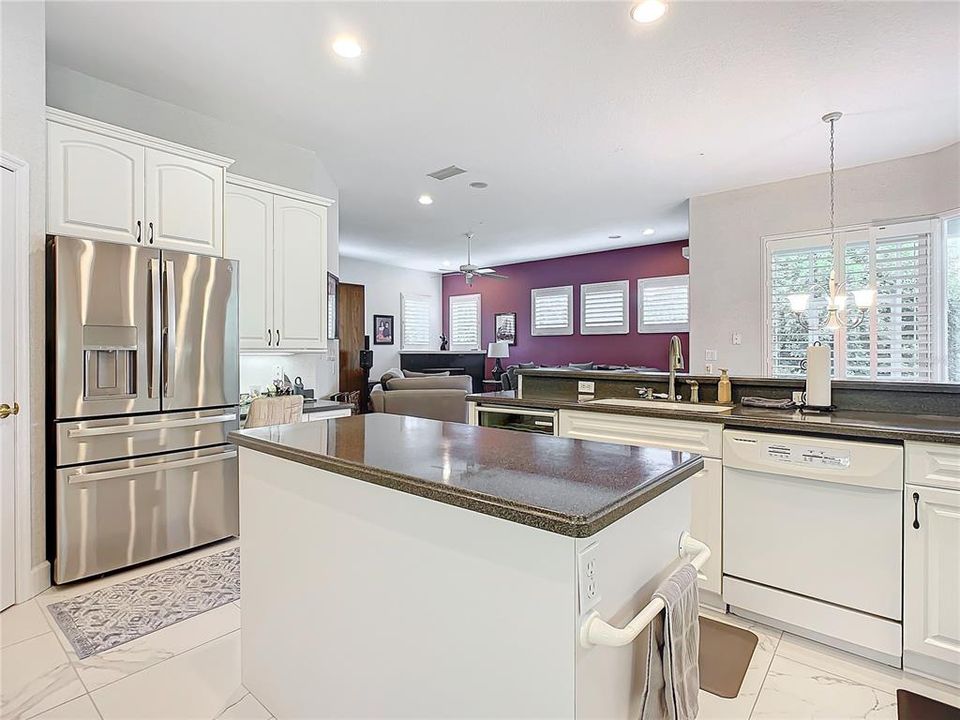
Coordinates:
(248, 238)
(706, 520)
(94, 186)
(184, 204)
(300, 274)
(931, 582)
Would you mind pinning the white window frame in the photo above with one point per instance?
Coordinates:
(453, 299)
(566, 290)
(405, 344)
(664, 281)
(623, 286)
(844, 234)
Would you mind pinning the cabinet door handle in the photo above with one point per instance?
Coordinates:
(138, 230)
(916, 511)
(150, 225)
(269, 337)
(278, 338)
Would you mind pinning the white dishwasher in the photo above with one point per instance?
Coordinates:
(812, 538)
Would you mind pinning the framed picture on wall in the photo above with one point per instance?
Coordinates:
(383, 329)
(333, 307)
(505, 327)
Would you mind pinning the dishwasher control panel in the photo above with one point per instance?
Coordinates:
(808, 455)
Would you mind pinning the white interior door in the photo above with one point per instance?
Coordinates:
(8, 343)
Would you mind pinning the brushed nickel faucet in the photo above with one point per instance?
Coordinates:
(675, 360)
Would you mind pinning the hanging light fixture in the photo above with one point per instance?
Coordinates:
(837, 314)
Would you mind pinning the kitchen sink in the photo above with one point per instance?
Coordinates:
(662, 405)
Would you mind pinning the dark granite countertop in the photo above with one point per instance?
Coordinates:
(569, 487)
(843, 423)
(312, 406)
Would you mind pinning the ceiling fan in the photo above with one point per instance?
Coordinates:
(470, 271)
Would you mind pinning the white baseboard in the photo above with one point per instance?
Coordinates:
(37, 580)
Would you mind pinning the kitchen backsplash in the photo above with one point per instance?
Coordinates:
(319, 371)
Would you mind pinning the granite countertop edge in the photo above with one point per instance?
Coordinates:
(734, 420)
(577, 526)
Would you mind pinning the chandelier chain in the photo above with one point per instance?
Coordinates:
(833, 223)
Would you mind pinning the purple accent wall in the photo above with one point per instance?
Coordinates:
(513, 295)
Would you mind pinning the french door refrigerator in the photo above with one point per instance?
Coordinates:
(142, 389)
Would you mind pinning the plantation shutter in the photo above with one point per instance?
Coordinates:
(896, 339)
(794, 269)
(416, 333)
(551, 310)
(663, 304)
(603, 308)
(465, 322)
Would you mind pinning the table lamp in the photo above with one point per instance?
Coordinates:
(498, 350)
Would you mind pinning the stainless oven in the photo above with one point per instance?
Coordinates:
(518, 418)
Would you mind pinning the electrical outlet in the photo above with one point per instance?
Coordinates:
(710, 355)
(736, 338)
(708, 368)
(585, 386)
(589, 578)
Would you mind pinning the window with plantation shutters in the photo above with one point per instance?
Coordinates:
(663, 304)
(415, 330)
(464, 313)
(603, 308)
(899, 335)
(551, 311)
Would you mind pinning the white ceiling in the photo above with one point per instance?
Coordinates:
(584, 123)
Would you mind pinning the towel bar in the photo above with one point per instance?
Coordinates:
(595, 631)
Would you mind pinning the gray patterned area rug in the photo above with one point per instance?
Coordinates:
(126, 611)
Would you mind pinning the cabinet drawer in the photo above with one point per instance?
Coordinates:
(933, 465)
(701, 438)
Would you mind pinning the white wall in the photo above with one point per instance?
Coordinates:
(255, 156)
(726, 228)
(383, 286)
(23, 134)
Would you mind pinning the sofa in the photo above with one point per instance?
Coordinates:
(437, 397)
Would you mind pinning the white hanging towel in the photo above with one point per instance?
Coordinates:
(672, 684)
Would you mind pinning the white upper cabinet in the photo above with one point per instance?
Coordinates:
(184, 203)
(300, 273)
(280, 238)
(248, 227)
(95, 185)
(108, 183)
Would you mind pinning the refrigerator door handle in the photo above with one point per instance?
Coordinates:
(169, 330)
(82, 477)
(153, 320)
(81, 432)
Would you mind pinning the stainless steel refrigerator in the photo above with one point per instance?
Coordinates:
(143, 387)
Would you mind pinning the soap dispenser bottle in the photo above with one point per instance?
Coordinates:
(724, 391)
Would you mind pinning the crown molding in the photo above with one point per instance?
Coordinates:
(278, 190)
(84, 123)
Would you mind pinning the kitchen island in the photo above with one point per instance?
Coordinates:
(402, 567)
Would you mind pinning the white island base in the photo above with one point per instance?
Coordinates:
(361, 601)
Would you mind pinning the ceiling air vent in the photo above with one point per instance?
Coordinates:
(446, 173)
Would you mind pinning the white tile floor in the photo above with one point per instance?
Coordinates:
(192, 670)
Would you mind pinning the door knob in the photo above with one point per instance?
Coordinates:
(6, 410)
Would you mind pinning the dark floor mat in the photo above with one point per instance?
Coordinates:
(725, 653)
(911, 706)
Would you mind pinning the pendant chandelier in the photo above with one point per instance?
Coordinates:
(837, 294)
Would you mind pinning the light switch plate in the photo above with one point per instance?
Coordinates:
(710, 355)
(585, 386)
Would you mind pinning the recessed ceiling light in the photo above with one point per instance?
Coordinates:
(478, 185)
(425, 200)
(347, 47)
(648, 11)
(614, 237)
(649, 231)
